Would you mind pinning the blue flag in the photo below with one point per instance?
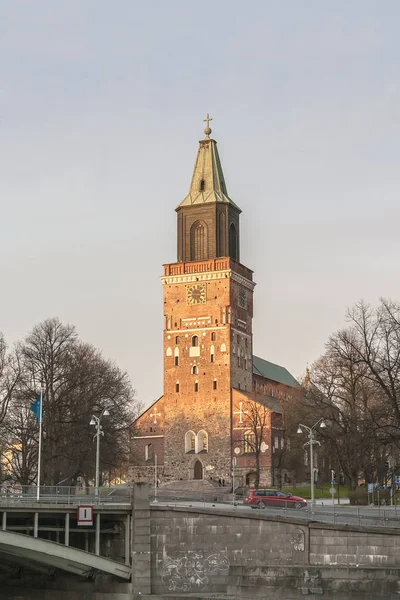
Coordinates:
(35, 408)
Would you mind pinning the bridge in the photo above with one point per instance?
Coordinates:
(183, 548)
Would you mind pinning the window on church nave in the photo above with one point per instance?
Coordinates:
(190, 442)
(196, 386)
(194, 370)
(169, 352)
(249, 442)
(149, 452)
(213, 337)
(214, 384)
(177, 339)
(212, 352)
(195, 341)
(202, 441)
(177, 386)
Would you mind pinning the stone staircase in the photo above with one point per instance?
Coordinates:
(195, 489)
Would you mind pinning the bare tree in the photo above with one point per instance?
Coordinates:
(77, 382)
(255, 420)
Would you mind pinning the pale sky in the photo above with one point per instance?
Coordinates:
(101, 109)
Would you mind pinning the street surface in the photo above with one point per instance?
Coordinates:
(377, 516)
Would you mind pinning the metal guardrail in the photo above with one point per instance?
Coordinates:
(17, 495)
(379, 516)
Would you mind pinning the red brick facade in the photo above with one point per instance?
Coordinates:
(201, 422)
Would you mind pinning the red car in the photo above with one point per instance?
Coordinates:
(264, 498)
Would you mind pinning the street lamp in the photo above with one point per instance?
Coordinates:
(311, 441)
(96, 421)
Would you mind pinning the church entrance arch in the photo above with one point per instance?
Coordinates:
(250, 479)
(198, 470)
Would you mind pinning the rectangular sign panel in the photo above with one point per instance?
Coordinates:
(85, 515)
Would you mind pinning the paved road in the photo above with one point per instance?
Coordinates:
(387, 516)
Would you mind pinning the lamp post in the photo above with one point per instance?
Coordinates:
(311, 441)
(96, 421)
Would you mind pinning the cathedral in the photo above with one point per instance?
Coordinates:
(220, 410)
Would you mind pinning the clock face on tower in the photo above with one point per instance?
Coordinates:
(196, 293)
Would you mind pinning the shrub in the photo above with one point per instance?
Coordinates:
(360, 497)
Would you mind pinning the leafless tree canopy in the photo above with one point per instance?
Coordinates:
(77, 382)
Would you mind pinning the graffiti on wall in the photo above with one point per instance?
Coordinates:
(193, 571)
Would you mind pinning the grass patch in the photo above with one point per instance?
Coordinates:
(319, 493)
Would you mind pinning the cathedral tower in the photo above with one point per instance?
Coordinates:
(208, 310)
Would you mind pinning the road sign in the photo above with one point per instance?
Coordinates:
(84, 515)
(332, 490)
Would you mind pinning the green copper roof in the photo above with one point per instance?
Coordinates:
(274, 372)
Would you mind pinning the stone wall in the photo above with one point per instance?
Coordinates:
(194, 550)
(334, 583)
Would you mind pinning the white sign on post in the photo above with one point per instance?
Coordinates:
(84, 515)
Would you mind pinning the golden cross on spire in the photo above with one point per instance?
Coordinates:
(207, 129)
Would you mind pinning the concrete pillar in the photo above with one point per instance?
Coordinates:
(67, 529)
(35, 524)
(4, 521)
(141, 551)
(97, 541)
(127, 539)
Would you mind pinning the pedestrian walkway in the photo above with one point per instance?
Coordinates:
(328, 501)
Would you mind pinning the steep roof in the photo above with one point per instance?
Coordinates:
(208, 181)
(271, 403)
(274, 372)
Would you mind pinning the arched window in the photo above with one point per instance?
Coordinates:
(202, 185)
(212, 352)
(214, 384)
(177, 386)
(198, 241)
(249, 442)
(195, 341)
(222, 235)
(196, 386)
(176, 357)
(190, 441)
(149, 452)
(233, 242)
(177, 339)
(194, 370)
(223, 347)
(169, 352)
(202, 441)
(213, 336)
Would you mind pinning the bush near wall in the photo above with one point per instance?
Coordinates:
(360, 497)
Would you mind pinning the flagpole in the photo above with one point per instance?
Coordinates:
(40, 446)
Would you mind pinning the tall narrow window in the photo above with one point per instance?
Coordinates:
(196, 386)
(202, 441)
(249, 442)
(214, 384)
(176, 357)
(177, 339)
(195, 340)
(233, 243)
(198, 241)
(202, 185)
(177, 386)
(212, 351)
(213, 336)
(194, 370)
(149, 452)
(190, 441)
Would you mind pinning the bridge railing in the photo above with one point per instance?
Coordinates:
(27, 494)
